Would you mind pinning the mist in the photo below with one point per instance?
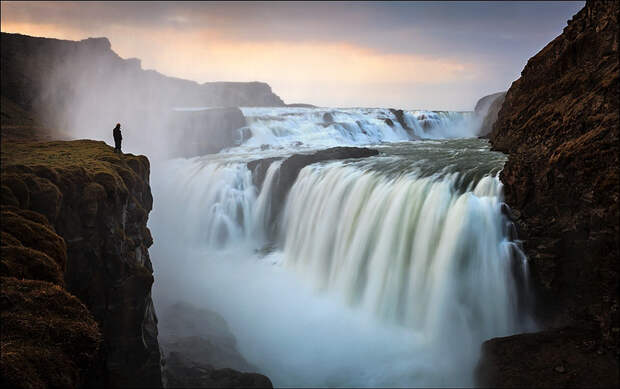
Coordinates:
(396, 286)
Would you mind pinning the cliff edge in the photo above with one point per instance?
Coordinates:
(559, 124)
(74, 217)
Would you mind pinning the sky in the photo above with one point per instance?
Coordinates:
(412, 55)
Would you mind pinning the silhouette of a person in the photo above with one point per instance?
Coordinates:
(117, 138)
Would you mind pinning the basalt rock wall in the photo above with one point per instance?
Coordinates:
(559, 124)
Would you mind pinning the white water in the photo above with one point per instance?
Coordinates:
(387, 271)
(308, 127)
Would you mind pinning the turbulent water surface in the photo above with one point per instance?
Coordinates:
(384, 271)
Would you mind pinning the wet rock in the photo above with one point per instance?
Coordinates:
(201, 350)
(259, 169)
(291, 167)
(181, 372)
(328, 118)
(389, 122)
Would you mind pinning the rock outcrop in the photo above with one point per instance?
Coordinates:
(400, 117)
(201, 351)
(289, 170)
(208, 131)
(559, 124)
(49, 338)
(96, 203)
(486, 111)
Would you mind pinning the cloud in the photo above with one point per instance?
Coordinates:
(297, 46)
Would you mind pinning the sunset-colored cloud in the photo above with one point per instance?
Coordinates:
(401, 54)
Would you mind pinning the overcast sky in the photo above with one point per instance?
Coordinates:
(433, 55)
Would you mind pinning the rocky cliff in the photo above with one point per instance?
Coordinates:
(40, 74)
(486, 111)
(559, 124)
(83, 221)
(49, 338)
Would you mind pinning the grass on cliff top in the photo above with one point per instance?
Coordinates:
(63, 154)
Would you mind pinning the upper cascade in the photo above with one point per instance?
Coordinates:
(328, 127)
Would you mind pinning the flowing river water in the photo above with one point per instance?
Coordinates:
(383, 271)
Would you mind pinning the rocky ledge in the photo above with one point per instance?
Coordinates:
(559, 124)
(289, 170)
(201, 351)
(75, 257)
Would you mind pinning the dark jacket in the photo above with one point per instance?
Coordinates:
(117, 134)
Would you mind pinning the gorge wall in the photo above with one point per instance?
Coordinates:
(74, 216)
(486, 110)
(559, 124)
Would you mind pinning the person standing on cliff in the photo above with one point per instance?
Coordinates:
(117, 138)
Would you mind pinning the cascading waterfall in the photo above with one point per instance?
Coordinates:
(317, 127)
(409, 251)
(412, 250)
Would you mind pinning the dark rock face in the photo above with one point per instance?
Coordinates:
(561, 358)
(182, 372)
(201, 351)
(328, 118)
(98, 202)
(560, 126)
(208, 131)
(400, 117)
(48, 337)
(486, 110)
(290, 168)
(259, 170)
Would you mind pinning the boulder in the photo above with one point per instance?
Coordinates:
(201, 351)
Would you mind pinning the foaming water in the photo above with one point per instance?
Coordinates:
(386, 271)
(322, 127)
(411, 250)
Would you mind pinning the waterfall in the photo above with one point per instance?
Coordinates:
(321, 127)
(412, 250)
(386, 271)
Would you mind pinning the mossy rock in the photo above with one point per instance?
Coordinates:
(8, 239)
(33, 231)
(26, 263)
(7, 196)
(49, 338)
